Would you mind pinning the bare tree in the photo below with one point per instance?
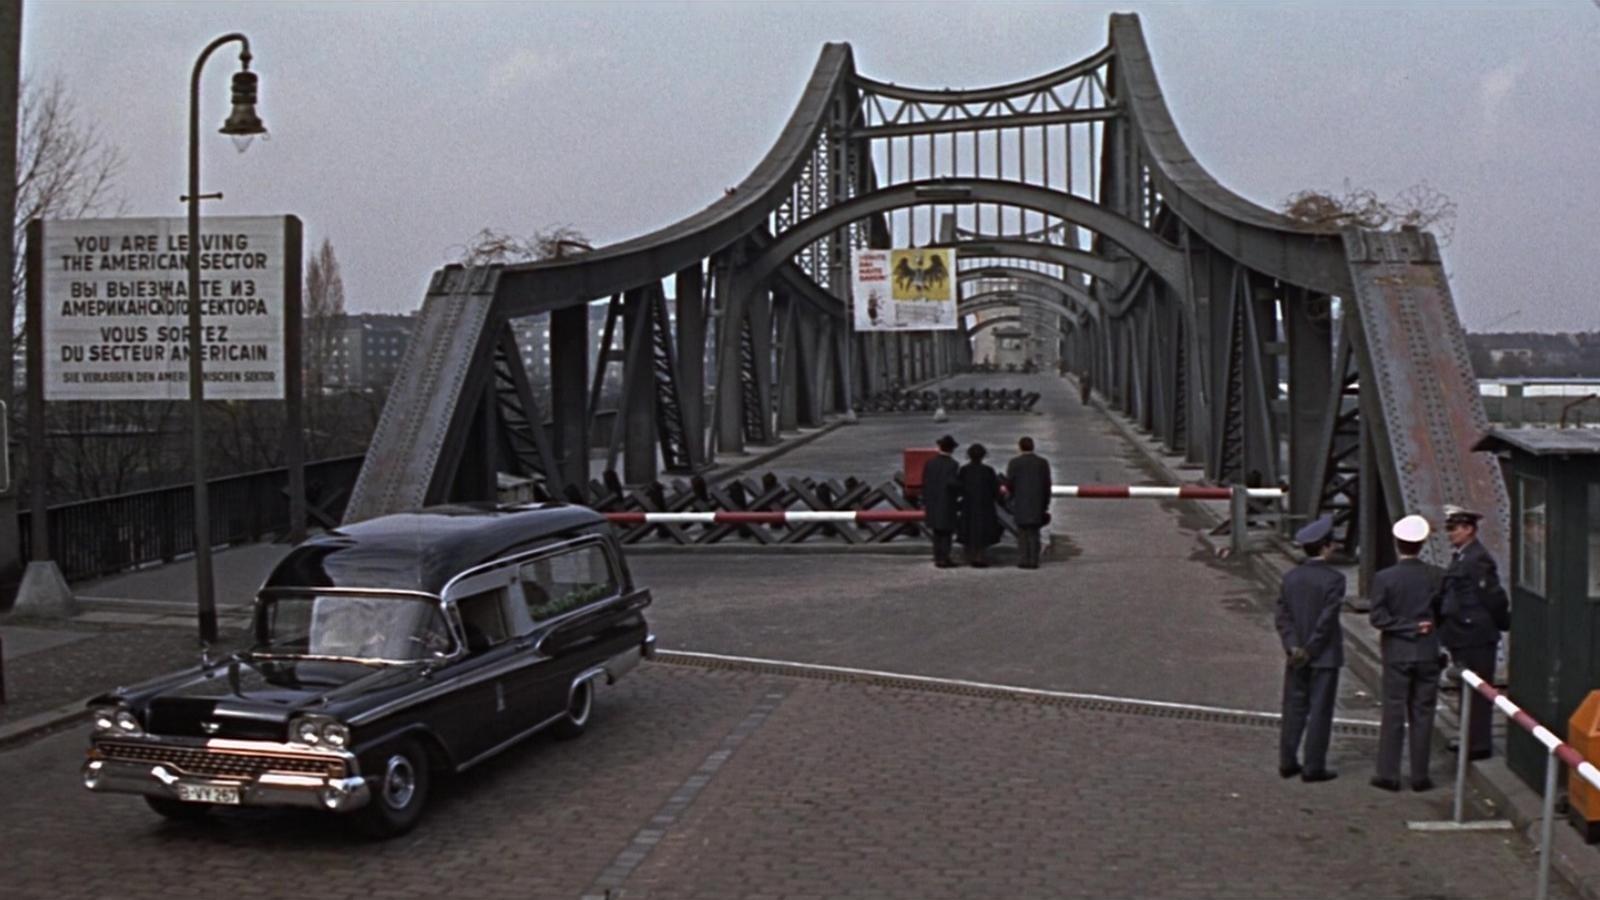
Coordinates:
(66, 168)
(1418, 206)
(490, 247)
(324, 319)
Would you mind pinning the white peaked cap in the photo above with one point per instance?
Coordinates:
(1412, 528)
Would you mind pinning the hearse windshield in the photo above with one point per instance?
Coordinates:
(390, 628)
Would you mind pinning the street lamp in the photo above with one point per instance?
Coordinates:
(242, 125)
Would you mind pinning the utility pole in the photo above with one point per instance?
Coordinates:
(10, 80)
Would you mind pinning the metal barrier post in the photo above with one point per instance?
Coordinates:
(1239, 510)
(1551, 767)
(1461, 749)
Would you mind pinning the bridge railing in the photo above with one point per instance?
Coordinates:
(107, 535)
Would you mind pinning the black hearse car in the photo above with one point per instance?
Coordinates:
(383, 652)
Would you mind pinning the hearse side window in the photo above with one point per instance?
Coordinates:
(564, 581)
(483, 619)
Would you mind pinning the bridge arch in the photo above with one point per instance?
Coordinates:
(1161, 257)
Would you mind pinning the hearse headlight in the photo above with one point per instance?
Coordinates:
(336, 735)
(127, 723)
(306, 731)
(320, 731)
(104, 718)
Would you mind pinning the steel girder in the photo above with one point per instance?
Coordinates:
(1086, 305)
(1206, 303)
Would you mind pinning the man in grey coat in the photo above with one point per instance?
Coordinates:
(940, 492)
(1313, 647)
(1028, 476)
(1403, 598)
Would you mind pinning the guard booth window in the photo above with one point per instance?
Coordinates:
(1594, 542)
(1531, 536)
(564, 581)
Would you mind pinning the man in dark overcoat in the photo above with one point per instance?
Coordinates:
(940, 493)
(1028, 475)
(1472, 607)
(1403, 611)
(1313, 647)
(978, 522)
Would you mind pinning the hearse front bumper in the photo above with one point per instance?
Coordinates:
(226, 772)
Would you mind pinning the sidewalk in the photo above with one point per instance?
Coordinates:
(1500, 793)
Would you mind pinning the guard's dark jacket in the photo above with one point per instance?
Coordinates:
(979, 522)
(1402, 595)
(940, 491)
(1468, 594)
(1029, 477)
(1308, 613)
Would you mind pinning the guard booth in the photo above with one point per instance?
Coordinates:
(1553, 577)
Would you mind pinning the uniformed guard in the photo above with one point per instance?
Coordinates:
(1473, 610)
(939, 495)
(1403, 598)
(1313, 647)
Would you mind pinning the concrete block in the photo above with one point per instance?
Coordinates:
(44, 593)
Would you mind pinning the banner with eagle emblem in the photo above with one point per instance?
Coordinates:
(904, 290)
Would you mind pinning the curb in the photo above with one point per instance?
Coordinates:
(1572, 860)
(25, 729)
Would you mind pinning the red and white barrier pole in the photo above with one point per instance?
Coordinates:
(765, 517)
(1157, 492)
(1556, 751)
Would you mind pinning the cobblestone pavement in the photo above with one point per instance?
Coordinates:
(839, 790)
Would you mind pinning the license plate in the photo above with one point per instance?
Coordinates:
(206, 793)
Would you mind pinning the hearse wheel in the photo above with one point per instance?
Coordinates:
(579, 708)
(399, 786)
(177, 810)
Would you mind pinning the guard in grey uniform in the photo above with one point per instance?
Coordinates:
(1403, 611)
(940, 494)
(1313, 647)
(1473, 610)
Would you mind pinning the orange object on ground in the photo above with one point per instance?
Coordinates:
(1583, 733)
(915, 459)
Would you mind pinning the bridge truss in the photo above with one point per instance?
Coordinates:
(1261, 348)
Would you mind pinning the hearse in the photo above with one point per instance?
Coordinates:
(384, 653)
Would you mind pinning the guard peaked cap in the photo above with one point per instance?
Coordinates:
(1453, 513)
(1316, 532)
(1412, 529)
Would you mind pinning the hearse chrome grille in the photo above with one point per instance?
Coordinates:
(220, 763)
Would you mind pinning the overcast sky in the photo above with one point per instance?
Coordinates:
(401, 129)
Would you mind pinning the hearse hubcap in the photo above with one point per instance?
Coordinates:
(582, 698)
(399, 782)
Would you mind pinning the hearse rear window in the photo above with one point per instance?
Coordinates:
(566, 580)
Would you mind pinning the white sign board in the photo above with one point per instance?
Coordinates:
(116, 306)
(904, 290)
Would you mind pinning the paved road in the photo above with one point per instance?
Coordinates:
(1130, 600)
(839, 790)
(696, 783)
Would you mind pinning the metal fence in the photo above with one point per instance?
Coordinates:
(107, 535)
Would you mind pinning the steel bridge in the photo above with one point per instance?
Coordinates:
(1261, 348)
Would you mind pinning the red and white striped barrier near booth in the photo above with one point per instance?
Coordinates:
(1563, 750)
(1557, 751)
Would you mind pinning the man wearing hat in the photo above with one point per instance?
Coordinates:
(939, 493)
(1472, 610)
(1313, 646)
(1403, 597)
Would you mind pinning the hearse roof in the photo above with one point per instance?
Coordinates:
(423, 550)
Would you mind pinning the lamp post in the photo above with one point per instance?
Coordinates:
(242, 123)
